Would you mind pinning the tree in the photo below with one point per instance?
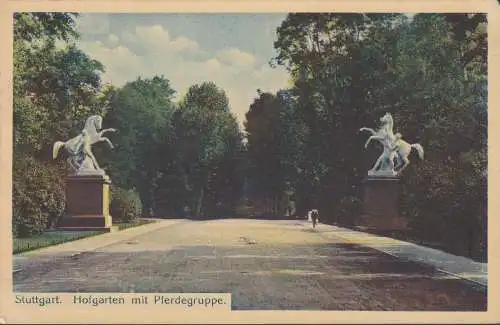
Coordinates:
(208, 143)
(45, 26)
(55, 88)
(142, 112)
(275, 150)
(50, 84)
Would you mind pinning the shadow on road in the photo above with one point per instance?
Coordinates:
(340, 276)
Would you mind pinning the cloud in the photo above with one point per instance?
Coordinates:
(146, 51)
(213, 64)
(113, 40)
(184, 44)
(237, 58)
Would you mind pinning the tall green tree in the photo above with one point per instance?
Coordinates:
(276, 138)
(142, 112)
(50, 83)
(208, 139)
(262, 128)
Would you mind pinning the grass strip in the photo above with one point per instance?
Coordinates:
(127, 225)
(49, 238)
(56, 237)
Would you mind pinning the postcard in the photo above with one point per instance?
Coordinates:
(253, 162)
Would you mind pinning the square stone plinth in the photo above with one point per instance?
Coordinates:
(380, 204)
(87, 203)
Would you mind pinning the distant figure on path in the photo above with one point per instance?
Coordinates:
(314, 216)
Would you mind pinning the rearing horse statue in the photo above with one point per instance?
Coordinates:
(385, 135)
(79, 148)
(394, 147)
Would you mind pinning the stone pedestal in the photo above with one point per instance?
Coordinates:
(380, 204)
(87, 203)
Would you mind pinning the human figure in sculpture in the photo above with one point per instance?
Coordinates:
(403, 150)
(385, 161)
(80, 147)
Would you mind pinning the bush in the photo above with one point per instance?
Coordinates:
(445, 203)
(38, 196)
(348, 210)
(126, 205)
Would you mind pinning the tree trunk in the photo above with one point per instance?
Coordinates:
(274, 207)
(200, 203)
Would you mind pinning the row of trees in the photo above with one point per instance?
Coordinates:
(179, 156)
(430, 72)
(173, 155)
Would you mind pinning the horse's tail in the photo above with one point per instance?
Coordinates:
(56, 148)
(419, 149)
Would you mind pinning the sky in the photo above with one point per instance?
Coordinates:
(232, 50)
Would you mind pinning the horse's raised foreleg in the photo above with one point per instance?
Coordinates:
(107, 141)
(373, 137)
(368, 142)
(107, 130)
(368, 129)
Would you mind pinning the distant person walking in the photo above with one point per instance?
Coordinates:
(314, 216)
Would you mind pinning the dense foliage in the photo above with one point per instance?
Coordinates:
(38, 197)
(209, 144)
(50, 84)
(349, 69)
(125, 205)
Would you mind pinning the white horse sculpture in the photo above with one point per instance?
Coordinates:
(394, 147)
(385, 135)
(80, 147)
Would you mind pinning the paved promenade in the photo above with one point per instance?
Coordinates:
(264, 264)
(459, 266)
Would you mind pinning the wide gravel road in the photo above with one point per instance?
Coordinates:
(264, 264)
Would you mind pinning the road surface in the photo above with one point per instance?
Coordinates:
(264, 264)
